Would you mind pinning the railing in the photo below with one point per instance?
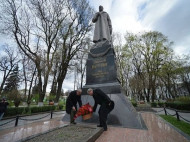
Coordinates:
(176, 113)
(17, 118)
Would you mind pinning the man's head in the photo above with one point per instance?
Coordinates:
(101, 8)
(79, 92)
(90, 91)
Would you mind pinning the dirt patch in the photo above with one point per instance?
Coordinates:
(71, 133)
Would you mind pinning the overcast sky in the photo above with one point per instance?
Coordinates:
(170, 17)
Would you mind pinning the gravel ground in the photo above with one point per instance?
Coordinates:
(71, 133)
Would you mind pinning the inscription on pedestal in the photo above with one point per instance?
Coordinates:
(101, 70)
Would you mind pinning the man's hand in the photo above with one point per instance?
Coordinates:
(74, 108)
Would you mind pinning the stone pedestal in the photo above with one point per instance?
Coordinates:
(101, 69)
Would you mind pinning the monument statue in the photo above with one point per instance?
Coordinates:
(101, 73)
(103, 26)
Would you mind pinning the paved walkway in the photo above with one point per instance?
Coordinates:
(44, 116)
(172, 112)
(24, 131)
(158, 131)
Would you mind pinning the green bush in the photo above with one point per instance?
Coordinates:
(60, 107)
(153, 104)
(183, 99)
(51, 97)
(161, 104)
(14, 111)
(26, 110)
(178, 105)
(42, 109)
(134, 103)
(36, 98)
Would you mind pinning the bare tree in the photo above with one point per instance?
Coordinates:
(80, 64)
(29, 73)
(35, 25)
(74, 36)
(7, 63)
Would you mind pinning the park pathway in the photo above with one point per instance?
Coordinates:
(30, 119)
(158, 131)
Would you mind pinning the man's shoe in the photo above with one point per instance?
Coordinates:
(73, 123)
(99, 126)
(105, 128)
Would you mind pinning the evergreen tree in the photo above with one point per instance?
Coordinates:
(12, 82)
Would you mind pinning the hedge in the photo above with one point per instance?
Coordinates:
(161, 104)
(134, 103)
(178, 105)
(153, 104)
(24, 110)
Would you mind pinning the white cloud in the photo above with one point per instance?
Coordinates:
(155, 10)
(68, 84)
(172, 18)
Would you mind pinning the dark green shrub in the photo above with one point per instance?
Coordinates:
(183, 99)
(134, 103)
(26, 110)
(14, 111)
(60, 107)
(153, 104)
(161, 104)
(178, 105)
(42, 109)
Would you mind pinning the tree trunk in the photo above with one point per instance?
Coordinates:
(60, 80)
(59, 88)
(148, 95)
(30, 88)
(54, 84)
(153, 89)
(2, 84)
(153, 93)
(40, 84)
(25, 79)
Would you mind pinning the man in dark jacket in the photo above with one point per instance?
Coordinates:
(102, 99)
(3, 107)
(71, 103)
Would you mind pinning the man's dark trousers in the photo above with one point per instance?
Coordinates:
(72, 115)
(103, 115)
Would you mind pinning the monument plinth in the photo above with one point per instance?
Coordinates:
(101, 69)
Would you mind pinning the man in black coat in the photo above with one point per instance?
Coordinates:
(71, 103)
(106, 105)
(3, 107)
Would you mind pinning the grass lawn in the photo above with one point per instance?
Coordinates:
(183, 126)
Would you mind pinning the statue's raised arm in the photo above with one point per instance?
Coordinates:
(103, 26)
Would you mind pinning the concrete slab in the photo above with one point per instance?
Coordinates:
(22, 132)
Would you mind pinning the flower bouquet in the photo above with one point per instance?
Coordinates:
(86, 112)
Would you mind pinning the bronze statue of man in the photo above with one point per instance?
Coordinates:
(103, 26)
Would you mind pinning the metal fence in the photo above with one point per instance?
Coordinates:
(17, 118)
(177, 113)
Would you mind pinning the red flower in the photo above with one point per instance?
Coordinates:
(83, 110)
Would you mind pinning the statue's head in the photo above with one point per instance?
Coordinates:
(101, 8)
